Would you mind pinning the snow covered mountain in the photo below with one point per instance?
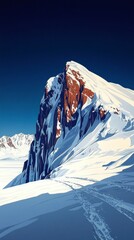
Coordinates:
(84, 151)
(15, 146)
(82, 117)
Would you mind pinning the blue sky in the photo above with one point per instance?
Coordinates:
(38, 37)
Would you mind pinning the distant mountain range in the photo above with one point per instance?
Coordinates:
(17, 145)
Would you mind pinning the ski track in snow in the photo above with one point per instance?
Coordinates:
(124, 208)
(100, 226)
(121, 185)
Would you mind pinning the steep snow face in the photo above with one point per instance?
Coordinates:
(15, 146)
(78, 110)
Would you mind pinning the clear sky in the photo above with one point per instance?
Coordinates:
(38, 37)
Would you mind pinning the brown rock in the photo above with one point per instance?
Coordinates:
(74, 93)
(10, 144)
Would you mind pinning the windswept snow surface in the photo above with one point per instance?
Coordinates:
(90, 194)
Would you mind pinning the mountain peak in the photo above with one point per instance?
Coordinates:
(73, 64)
(75, 104)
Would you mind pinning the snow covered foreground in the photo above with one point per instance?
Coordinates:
(69, 208)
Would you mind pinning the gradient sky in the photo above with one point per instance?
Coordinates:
(38, 37)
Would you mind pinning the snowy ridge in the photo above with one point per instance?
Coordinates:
(109, 94)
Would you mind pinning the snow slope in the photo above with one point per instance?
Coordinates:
(88, 191)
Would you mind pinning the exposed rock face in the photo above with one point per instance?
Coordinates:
(68, 108)
(75, 92)
(10, 143)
